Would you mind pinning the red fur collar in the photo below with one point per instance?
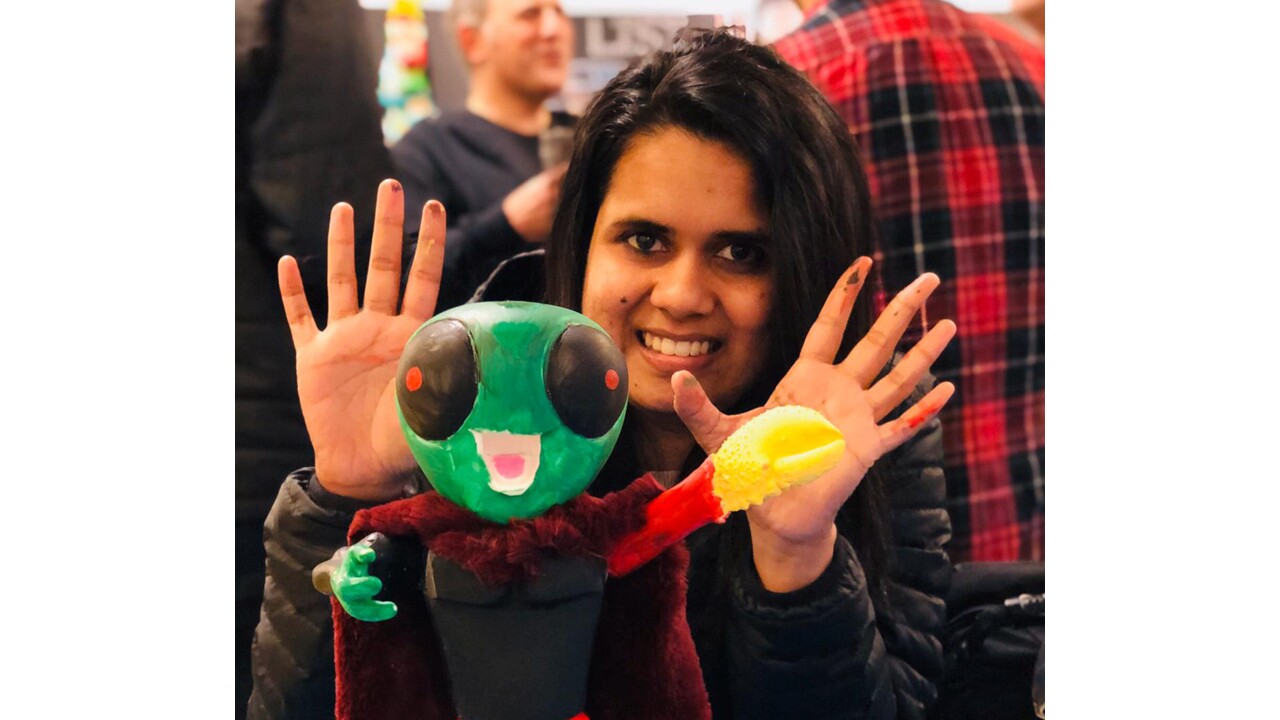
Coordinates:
(499, 554)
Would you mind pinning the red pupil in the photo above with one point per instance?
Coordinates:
(413, 379)
(611, 379)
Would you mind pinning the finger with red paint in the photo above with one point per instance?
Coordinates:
(899, 431)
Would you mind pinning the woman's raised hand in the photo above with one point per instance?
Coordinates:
(793, 534)
(346, 371)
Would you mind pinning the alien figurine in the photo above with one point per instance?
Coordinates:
(509, 593)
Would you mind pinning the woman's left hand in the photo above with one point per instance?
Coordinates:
(793, 534)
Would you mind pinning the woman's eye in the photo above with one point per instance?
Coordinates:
(742, 253)
(644, 243)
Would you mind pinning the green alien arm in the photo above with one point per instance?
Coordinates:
(348, 577)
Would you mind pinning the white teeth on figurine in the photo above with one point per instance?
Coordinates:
(501, 450)
(682, 348)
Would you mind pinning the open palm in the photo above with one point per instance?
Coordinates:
(847, 393)
(346, 371)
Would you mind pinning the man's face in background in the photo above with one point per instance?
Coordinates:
(526, 44)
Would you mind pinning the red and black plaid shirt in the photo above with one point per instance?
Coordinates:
(949, 114)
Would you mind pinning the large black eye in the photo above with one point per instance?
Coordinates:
(587, 380)
(436, 381)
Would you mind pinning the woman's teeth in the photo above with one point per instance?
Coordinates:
(682, 348)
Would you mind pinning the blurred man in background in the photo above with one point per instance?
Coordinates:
(949, 116)
(483, 162)
(307, 136)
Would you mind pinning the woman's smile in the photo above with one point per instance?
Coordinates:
(669, 352)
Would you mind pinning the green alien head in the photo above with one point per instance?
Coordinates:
(511, 408)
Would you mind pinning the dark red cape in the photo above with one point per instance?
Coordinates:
(643, 665)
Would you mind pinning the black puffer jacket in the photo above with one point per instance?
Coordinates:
(825, 651)
(833, 649)
(307, 136)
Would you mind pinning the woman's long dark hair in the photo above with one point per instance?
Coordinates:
(809, 181)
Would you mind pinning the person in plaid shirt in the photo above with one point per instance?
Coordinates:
(948, 111)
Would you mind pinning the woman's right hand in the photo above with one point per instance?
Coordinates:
(346, 373)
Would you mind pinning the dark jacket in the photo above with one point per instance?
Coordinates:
(825, 651)
(470, 165)
(307, 136)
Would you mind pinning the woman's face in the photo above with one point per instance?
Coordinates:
(678, 271)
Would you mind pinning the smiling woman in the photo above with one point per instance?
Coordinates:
(712, 199)
(711, 222)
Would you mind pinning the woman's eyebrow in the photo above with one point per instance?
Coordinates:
(747, 237)
(641, 225)
(649, 227)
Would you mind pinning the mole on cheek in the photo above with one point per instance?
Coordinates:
(624, 301)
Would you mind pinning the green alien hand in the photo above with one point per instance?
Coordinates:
(355, 587)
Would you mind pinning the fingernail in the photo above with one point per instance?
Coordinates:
(918, 284)
(435, 208)
(395, 186)
(689, 380)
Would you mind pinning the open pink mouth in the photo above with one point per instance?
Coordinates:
(509, 466)
(511, 459)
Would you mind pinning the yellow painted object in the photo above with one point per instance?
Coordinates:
(779, 448)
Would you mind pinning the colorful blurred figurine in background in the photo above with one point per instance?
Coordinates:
(488, 598)
(403, 87)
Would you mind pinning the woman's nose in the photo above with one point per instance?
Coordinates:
(682, 288)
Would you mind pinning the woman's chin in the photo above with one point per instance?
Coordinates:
(652, 401)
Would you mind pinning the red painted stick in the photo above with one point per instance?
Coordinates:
(669, 518)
